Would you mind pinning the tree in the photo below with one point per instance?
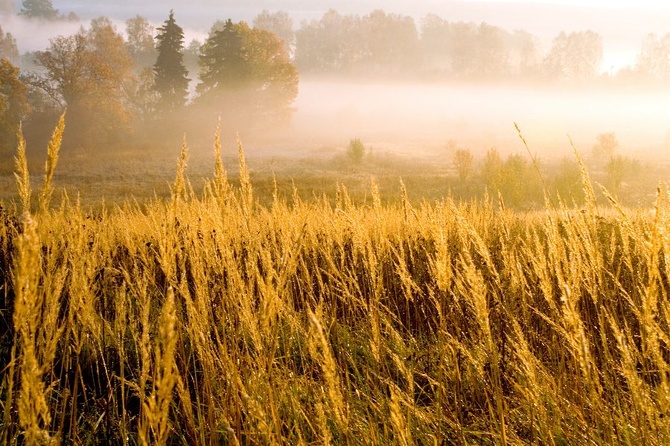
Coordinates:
(463, 162)
(619, 168)
(140, 42)
(356, 151)
(222, 60)
(606, 147)
(248, 72)
(653, 62)
(333, 44)
(171, 82)
(8, 48)
(280, 24)
(39, 9)
(88, 73)
(14, 105)
(574, 57)
(523, 54)
(493, 170)
(568, 182)
(389, 44)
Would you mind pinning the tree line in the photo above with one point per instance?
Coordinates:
(114, 85)
(114, 82)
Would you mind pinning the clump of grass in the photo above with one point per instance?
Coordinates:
(50, 164)
(21, 174)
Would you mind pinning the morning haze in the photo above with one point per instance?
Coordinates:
(419, 80)
(379, 223)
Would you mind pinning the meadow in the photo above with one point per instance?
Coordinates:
(229, 316)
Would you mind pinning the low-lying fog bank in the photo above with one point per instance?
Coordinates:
(423, 119)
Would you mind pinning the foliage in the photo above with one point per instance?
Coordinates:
(324, 323)
(463, 163)
(140, 42)
(356, 151)
(87, 73)
(38, 9)
(278, 23)
(653, 60)
(246, 74)
(575, 56)
(171, 82)
(567, 182)
(607, 145)
(378, 43)
(618, 169)
(8, 48)
(14, 106)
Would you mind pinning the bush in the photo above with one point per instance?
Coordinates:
(356, 151)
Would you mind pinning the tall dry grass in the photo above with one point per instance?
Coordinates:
(211, 319)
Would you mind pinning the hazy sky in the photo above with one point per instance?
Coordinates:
(623, 24)
(439, 113)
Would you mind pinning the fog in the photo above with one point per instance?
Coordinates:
(623, 24)
(423, 119)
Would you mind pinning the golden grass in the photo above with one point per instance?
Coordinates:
(215, 320)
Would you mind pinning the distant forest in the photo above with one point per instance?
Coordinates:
(115, 82)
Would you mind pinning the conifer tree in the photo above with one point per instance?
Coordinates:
(171, 82)
(247, 74)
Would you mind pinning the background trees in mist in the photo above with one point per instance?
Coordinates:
(278, 23)
(574, 56)
(86, 73)
(8, 48)
(14, 106)
(246, 74)
(140, 42)
(653, 61)
(38, 9)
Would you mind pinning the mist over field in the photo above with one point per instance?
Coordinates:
(413, 116)
(426, 222)
(422, 118)
(449, 76)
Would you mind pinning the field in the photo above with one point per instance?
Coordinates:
(230, 316)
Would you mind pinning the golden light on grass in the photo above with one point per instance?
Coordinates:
(217, 320)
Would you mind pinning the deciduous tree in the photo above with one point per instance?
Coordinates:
(463, 162)
(278, 23)
(88, 73)
(653, 62)
(38, 9)
(575, 56)
(8, 48)
(13, 104)
(140, 42)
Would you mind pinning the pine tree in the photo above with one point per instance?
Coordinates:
(39, 9)
(222, 62)
(247, 74)
(171, 82)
